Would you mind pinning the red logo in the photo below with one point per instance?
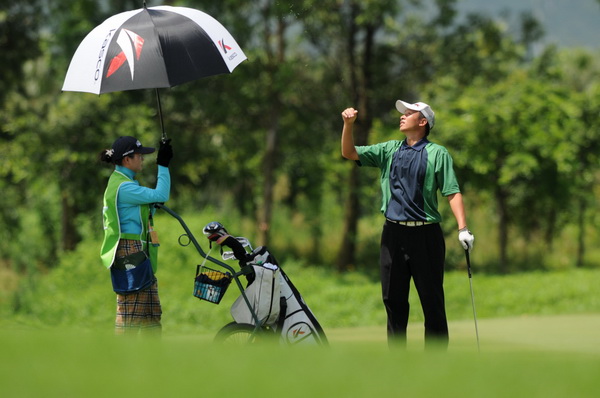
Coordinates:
(223, 46)
(297, 332)
(131, 45)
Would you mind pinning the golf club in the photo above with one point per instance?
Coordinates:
(472, 296)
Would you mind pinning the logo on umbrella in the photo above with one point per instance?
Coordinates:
(223, 46)
(131, 45)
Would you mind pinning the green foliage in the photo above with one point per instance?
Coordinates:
(19, 41)
(522, 129)
(77, 292)
(519, 140)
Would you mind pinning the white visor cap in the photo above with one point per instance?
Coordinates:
(419, 107)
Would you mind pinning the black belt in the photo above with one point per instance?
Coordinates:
(410, 223)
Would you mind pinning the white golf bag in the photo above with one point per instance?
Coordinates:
(297, 324)
(263, 294)
(277, 303)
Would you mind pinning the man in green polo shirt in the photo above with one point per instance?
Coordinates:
(413, 170)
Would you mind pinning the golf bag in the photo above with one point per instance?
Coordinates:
(277, 302)
(263, 294)
(297, 324)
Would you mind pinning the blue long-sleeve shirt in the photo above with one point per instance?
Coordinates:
(131, 195)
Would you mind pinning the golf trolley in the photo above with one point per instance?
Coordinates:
(269, 306)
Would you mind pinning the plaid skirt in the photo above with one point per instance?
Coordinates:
(139, 310)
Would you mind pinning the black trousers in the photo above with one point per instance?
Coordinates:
(417, 253)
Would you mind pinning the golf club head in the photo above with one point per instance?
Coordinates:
(214, 228)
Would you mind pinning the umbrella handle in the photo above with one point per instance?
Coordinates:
(162, 125)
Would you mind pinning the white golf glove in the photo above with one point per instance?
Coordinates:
(466, 239)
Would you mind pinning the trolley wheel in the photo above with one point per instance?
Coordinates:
(241, 334)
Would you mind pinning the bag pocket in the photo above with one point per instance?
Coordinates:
(130, 261)
(131, 274)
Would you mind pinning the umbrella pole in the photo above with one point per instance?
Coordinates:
(162, 125)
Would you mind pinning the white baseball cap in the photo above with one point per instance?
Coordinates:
(419, 107)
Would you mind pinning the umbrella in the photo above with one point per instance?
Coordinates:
(155, 47)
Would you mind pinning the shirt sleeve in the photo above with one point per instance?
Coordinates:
(371, 155)
(135, 194)
(446, 178)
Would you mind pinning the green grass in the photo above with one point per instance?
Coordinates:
(78, 293)
(554, 356)
(538, 336)
(555, 333)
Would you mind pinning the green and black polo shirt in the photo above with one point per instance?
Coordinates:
(410, 178)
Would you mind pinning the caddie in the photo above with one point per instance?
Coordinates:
(130, 244)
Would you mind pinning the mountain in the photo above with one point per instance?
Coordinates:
(567, 23)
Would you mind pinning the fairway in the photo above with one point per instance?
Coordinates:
(558, 333)
(555, 356)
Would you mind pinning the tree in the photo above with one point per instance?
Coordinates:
(267, 136)
(579, 72)
(263, 99)
(19, 41)
(355, 25)
(512, 141)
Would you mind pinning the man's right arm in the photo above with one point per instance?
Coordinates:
(348, 148)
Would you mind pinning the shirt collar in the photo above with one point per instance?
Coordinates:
(128, 172)
(418, 146)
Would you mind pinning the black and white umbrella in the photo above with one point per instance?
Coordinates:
(152, 47)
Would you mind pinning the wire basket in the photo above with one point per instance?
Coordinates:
(210, 285)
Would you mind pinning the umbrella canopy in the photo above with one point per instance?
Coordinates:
(152, 47)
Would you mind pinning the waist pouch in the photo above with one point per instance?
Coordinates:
(132, 273)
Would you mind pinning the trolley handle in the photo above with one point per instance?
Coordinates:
(211, 259)
(192, 238)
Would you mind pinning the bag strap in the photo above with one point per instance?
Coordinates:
(148, 233)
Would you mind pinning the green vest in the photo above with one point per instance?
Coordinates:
(112, 225)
